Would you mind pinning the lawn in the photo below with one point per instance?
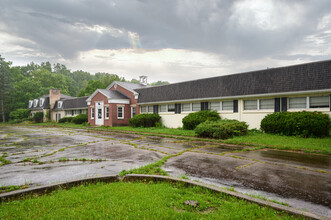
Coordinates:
(136, 201)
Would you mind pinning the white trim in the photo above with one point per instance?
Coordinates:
(119, 101)
(92, 112)
(74, 108)
(88, 103)
(135, 107)
(243, 96)
(107, 107)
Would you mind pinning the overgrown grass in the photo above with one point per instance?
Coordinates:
(3, 160)
(320, 145)
(136, 201)
(4, 189)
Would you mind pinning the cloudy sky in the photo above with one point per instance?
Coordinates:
(172, 40)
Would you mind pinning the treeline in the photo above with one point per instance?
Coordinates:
(19, 84)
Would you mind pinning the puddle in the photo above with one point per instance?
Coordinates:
(220, 149)
(47, 141)
(310, 160)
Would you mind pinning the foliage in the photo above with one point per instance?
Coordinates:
(303, 123)
(65, 119)
(48, 115)
(145, 120)
(38, 117)
(194, 119)
(80, 119)
(20, 113)
(159, 83)
(222, 129)
(6, 87)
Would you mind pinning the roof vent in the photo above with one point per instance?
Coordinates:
(143, 80)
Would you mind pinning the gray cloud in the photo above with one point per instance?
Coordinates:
(240, 30)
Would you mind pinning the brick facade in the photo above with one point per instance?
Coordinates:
(113, 107)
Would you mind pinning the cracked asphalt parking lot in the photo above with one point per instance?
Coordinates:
(42, 156)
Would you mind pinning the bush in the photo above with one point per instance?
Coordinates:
(305, 124)
(20, 114)
(145, 120)
(222, 129)
(65, 119)
(80, 119)
(38, 117)
(192, 120)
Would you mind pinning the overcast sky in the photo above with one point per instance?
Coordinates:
(168, 40)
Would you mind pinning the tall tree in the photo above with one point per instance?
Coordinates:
(6, 85)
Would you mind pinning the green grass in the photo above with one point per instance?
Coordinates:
(4, 189)
(135, 201)
(3, 160)
(320, 145)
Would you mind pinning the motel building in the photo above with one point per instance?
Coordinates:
(248, 96)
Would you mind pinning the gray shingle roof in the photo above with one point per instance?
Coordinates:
(303, 77)
(72, 103)
(44, 106)
(113, 94)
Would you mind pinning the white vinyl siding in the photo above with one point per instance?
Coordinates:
(171, 108)
(250, 104)
(214, 106)
(299, 102)
(267, 103)
(163, 108)
(186, 107)
(227, 105)
(196, 106)
(319, 102)
(143, 109)
(150, 109)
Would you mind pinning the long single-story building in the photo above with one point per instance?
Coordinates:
(248, 96)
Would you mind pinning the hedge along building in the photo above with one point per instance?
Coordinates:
(245, 97)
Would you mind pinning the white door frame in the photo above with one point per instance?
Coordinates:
(99, 113)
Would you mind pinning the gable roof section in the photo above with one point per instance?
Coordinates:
(110, 94)
(128, 86)
(73, 103)
(303, 77)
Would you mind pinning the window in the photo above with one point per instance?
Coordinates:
(214, 106)
(77, 112)
(35, 103)
(171, 108)
(42, 102)
(107, 112)
(300, 102)
(92, 112)
(99, 113)
(250, 104)
(163, 108)
(143, 109)
(267, 103)
(227, 105)
(150, 108)
(319, 102)
(133, 111)
(186, 107)
(196, 106)
(59, 104)
(30, 103)
(120, 112)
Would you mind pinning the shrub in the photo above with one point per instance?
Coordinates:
(38, 117)
(303, 123)
(145, 120)
(80, 119)
(192, 120)
(222, 129)
(20, 114)
(65, 119)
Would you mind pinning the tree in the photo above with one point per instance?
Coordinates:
(92, 85)
(6, 85)
(159, 83)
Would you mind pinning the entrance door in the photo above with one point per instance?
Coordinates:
(99, 114)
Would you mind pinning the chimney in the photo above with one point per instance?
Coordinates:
(54, 95)
(143, 80)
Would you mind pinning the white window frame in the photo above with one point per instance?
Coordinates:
(143, 107)
(190, 104)
(135, 111)
(30, 103)
(106, 112)
(219, 106)
(35, 103)
(168, 108)
(42, 100)
(226, 110)
(92, 112)
(198, 104)
(122, 107)
(309, 102)
(257, 105)
(266, 109)
(150, 107)
(59, 104)
(303, 97)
